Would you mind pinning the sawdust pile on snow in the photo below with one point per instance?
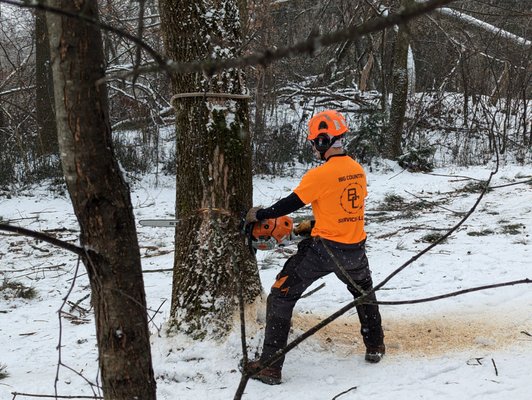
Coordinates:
(430, 336)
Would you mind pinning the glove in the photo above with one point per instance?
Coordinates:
(303, 228)
(251, 215)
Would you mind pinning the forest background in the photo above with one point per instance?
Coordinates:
(467, 81)
(450, 88)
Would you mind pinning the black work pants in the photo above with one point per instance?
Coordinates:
(311, 262)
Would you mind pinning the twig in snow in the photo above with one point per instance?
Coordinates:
(410, 229)
(397, 174)
(455, 176)
(39, 249)
(495, 366)
(344, 392)
(435, 204)
(76, 304)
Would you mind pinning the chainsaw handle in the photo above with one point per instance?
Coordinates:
(248, 231)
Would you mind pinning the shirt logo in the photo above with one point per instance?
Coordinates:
(352, 196)
(351, 199)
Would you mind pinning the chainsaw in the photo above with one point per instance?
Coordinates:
(262, 235)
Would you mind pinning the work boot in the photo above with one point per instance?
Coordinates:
(269, 375)
(375, 354)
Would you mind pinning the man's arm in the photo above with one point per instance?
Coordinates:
(284, 206)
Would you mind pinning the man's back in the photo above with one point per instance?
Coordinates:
(336, 190)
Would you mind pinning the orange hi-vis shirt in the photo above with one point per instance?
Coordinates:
(336, 191)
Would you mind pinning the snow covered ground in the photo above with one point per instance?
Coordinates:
(478, 345)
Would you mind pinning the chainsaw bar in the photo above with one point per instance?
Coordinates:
(159, 223)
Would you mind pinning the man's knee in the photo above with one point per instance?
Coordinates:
(287, 284)
(279, 305)
(365, 284)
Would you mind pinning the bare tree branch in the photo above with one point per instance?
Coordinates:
(452, 294)
(268, 56)
(162, 63)
(311, 45)
(80, 251)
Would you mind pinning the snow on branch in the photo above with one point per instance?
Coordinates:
(472, 21)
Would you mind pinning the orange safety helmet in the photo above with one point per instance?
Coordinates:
(270, 232)
(328, 121)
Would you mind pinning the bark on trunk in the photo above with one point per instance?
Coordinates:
(102, 204)
(213, 185)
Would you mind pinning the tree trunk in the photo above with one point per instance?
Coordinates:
(383, 73)
(44, 96)
(214, 182)
(400, 92)
(102, 204)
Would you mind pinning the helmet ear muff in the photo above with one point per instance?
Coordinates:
(322, 143)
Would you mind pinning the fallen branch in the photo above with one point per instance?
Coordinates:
(39, 249)
(159, 253)
(157, 270)
(456, 176)
(433, 203)
(511, 184)
(409, 229)
(52, 396)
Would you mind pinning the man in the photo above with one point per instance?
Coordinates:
(336, 190)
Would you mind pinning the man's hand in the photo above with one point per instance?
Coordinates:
(251, 215)
(303, 228)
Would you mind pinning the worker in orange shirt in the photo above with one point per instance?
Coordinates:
(336, 190)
